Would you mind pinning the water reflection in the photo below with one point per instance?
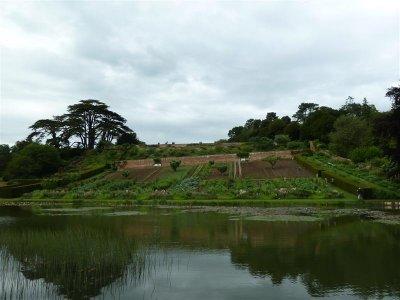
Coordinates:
(197, 255)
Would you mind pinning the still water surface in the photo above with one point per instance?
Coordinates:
(88, 253)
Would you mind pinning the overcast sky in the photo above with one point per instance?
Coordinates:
(190, 71)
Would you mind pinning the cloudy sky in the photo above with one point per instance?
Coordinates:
(190, 71)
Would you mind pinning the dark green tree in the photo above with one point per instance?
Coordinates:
(5, 156)
(394, 119)
(319, 124)
(175, 164)
(91, 121)
(304, 110)
(51, 128)
(128, 138)
(349, 133)
(34, 160)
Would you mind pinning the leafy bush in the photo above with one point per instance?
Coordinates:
(281, 140)
(263, 144)
(175, 164)
(296, 145)
(272, 160)
(363, 154)
(243, 154)
(34, 160)
(222, 168)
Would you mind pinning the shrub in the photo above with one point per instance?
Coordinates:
(272, 160)
(125, 174)
(363, 154)
(34, 160)
(263, 144)
(282, 140)
(211, 162)
(175, 164)
(296, 145)
(243, 154)
(157, 160)
(222, 169)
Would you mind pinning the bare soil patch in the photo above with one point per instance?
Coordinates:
(283, 169)
(140, 174)
(215, 174)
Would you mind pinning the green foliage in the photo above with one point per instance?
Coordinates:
(319, 124)
(175, 164)
(222, 168)
(34, 160)
(128, 138)
(157, 160)
(350, 133)
(211, 162)
(243, 154)
(262, 143)
(90, 121)
(350, 177)
(125, 174)
(272, 160)
(363, 154)
(282, 140)
(5, 157)
(65, 259)
(304, 110)
(296, 145)
(13, 191)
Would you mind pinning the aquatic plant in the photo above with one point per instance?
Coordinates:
(78, 261)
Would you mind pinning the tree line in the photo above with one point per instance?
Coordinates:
(354, 128)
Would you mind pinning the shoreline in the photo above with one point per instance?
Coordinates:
(321, 209)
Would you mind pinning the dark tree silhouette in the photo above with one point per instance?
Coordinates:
(394, 118)
(90, 121)
(47, 127)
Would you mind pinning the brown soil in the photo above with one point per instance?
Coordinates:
(283, 168)
(215, 174)
(140, 175)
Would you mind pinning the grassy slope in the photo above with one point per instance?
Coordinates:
(168, 179)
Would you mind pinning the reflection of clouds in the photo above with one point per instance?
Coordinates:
(208, 275)
(6, 220)
(14, 285)
(205, 256)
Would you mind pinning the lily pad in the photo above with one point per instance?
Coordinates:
(284, 218)
(388, 221)
(124, 213)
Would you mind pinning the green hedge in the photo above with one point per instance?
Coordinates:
(23, 181)
(346, 181)
(53, 183)
(14, 191)
(20, 187)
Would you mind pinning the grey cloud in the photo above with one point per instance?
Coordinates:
(190, 71)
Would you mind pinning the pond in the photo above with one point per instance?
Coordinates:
(172, 254)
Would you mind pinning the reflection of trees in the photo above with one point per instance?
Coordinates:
(78, 260)
(361, 256)
(81, 255)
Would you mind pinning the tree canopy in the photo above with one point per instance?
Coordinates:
(88, 121)
(34, 160)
